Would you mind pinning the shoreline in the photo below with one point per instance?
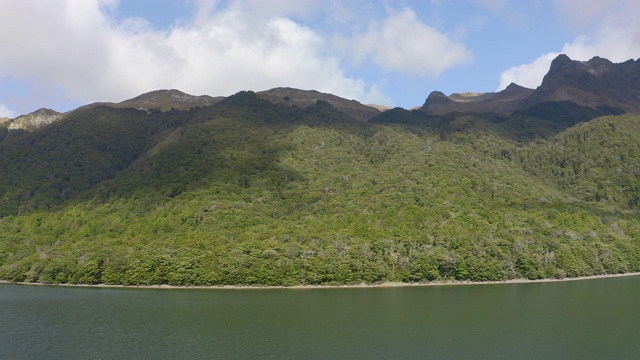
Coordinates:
(349, 286)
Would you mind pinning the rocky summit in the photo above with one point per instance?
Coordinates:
(35, 120)
(594, 83)
(597, 83)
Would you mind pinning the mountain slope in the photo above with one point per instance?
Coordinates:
(251, 192)
(45, 168)
(595, 161)
(288, 187)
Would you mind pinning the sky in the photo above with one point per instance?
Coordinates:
(61, 54)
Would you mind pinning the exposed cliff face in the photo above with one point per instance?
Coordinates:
(304, 98)
(4, 121)
(35, 120)
(595, 84)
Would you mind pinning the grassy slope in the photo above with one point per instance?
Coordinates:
(251, 193)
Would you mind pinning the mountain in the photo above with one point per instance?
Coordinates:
(288, 187)
(305, 98)
(164, 100)
(571, 92)
(35, 120)
(569, 86)
(160, 100)
(504, 102)
(248, 191)
(594, 83)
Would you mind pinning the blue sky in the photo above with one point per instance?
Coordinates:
(62, 54)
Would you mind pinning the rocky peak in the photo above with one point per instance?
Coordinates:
(503, 102)
(594, 83)
(564, 70)
(436, 98)
(35, 120)
(560, 61)
(598, 66)
(515, 89)
(597, 60)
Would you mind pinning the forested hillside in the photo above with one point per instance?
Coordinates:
(250, 192)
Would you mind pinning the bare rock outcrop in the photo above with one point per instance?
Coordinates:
(35, 120)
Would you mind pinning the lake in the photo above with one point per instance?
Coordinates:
(589, 319)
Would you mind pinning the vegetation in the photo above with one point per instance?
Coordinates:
(567, 112)
(248, 192)
(3, 132)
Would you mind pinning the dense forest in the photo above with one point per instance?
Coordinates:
(247, 192)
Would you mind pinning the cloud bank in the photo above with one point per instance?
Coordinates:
(401, 43)
(79, 51)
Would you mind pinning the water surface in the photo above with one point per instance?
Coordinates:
(591, 319)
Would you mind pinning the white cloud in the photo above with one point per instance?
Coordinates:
(5, 112)
(527, 75)
(402, 43)
(616, 36)
(78, 47)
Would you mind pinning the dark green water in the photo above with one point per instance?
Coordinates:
(591, 319)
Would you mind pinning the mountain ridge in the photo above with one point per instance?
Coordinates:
(594, 83)
(162, 100)
(504, 102)
(305, 98)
